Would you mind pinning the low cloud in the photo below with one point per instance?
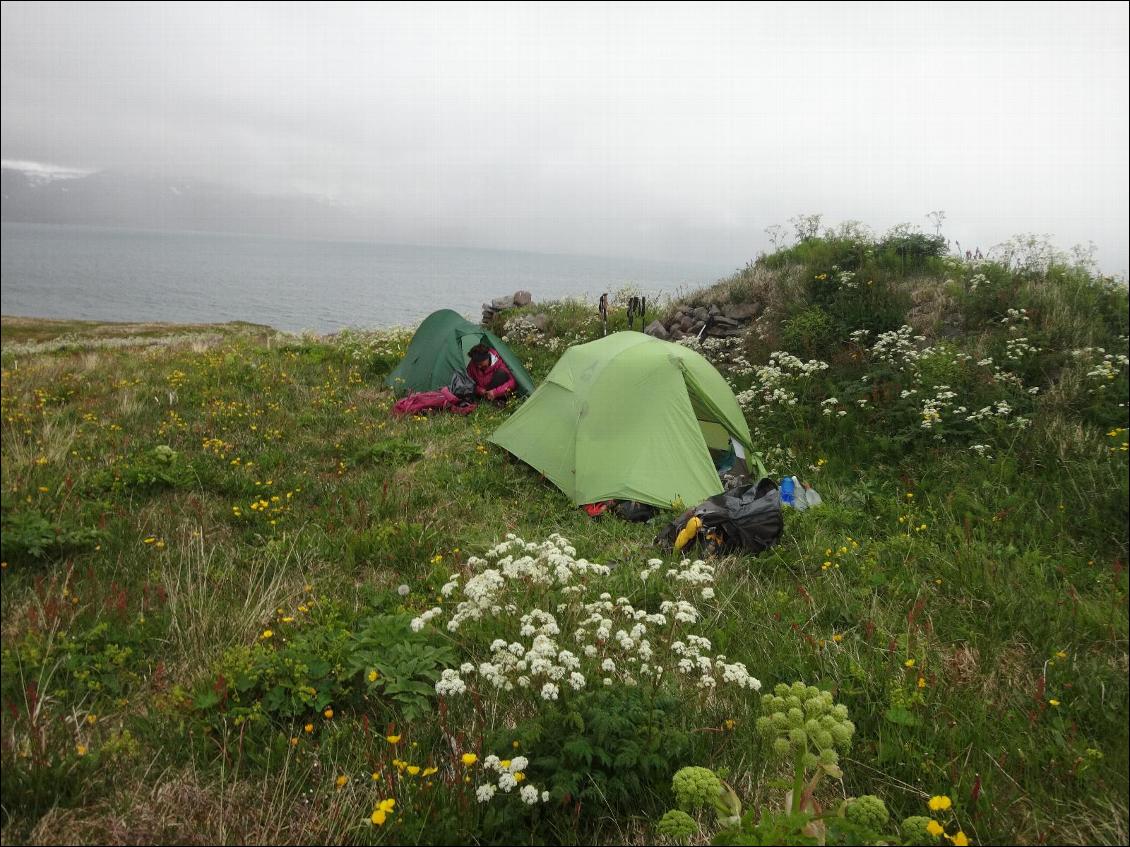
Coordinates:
(671, 132)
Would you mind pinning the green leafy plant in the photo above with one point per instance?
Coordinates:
(330, 662)
(154, 470)
(614, 747)
(810, 332)
(96, 666)
(389, 451)
(29, 536)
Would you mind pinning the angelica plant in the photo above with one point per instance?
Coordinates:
(695, 789)
(677, 825)
(805, 727)
(868, 812)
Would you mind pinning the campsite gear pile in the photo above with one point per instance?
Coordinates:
(746, 519)
(627, 417)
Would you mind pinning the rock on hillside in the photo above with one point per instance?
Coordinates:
(715, 321)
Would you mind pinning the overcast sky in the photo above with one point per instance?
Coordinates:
(675, 132)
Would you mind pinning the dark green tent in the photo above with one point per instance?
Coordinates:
(440, 347)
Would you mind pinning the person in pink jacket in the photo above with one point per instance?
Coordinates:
(492, 378)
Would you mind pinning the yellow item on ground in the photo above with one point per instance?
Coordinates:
(688, 532)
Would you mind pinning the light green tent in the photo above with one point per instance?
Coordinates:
(440, 347)
(629, 417)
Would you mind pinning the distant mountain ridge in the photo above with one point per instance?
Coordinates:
(115, 199)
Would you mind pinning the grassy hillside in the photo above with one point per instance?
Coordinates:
(221, 557)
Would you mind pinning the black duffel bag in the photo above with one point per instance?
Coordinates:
(746, 519)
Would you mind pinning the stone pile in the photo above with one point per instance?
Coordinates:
(727, 321)
(499, 305)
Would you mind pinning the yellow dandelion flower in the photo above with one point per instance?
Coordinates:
(939, 803)
(470, 758)
(266, 634)
(373, 676)
(341, 781)
(909, 663)
(309, 727)
(413, 770)
(428, 771)
(329, 713)
(921, 682)
(392, 739)
(960, 840)
(1053, 702)
(80, 749)
(934, 828)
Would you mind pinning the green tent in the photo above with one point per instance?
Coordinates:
(629, 417)
(440, 347)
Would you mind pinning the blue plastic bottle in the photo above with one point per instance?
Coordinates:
(787, 489)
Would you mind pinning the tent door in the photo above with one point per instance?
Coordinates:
(726, 452)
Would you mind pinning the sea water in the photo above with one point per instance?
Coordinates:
(94, 273)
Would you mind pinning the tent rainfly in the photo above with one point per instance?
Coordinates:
(629, 417)
(440, 347)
